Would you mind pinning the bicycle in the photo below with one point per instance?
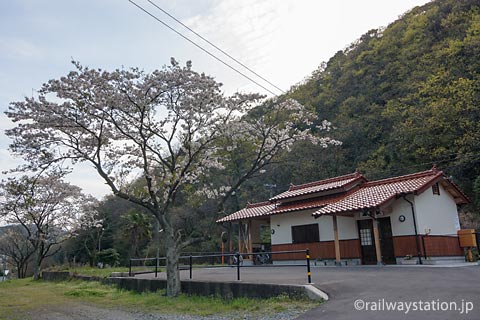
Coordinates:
(235, 259)
(262, 258)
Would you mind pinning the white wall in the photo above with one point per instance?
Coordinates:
(347, 228)
(401, 207)
(437, 212)
(326, 228)
(282, 224)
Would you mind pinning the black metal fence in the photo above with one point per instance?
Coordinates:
(216, 260)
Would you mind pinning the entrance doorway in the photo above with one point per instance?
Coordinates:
(367, 242)
(386, 240)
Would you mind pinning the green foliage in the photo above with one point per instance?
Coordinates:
(89, 271)
(138, 229)
(116, 216)
(476, 190)
(109, 256)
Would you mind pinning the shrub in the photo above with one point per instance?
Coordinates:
(109, 256)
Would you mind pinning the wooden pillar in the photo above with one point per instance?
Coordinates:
(250, 244)
(230, 245)
(337, 242)
(240, 236)
(376, 236)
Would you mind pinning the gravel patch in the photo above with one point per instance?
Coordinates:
(81, 311)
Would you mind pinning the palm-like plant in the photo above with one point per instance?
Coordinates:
(138, 228)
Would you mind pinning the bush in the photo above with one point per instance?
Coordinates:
(109, 256)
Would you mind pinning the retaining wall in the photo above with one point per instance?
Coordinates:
(226, 290)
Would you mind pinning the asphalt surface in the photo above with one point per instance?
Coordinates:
(367, 292)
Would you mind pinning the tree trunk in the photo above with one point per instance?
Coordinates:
(92, 254)
(19, 270)
(38, 261)
(173, 274)
(36, 268)
(24, 270)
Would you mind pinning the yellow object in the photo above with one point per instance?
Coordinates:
(467, 238)
(469, 255)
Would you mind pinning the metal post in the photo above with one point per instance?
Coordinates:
(223, 249)
(238, 266)
(130, 268)
(423, 245)
(419, 254)
(190, 266)
(223, 239)
(156, 266)
(309, 273)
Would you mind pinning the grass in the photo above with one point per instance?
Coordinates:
(25, 296)
(89, 271)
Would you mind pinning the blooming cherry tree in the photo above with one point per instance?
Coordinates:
(16, 246)
(167, 128)
(45, 207)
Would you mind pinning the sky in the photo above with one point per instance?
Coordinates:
(283, 41)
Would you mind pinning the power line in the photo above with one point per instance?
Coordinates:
(200, 47)
(213, 45)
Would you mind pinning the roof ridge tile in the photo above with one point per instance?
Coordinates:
(257, 204)
(403, 178)
(324, 181)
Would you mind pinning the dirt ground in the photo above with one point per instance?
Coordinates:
(83, 311)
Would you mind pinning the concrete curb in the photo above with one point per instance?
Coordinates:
(226, 290)
(315, 294)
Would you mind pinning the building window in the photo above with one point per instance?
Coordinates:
(366, 237)
(305, 233)
(436, 189)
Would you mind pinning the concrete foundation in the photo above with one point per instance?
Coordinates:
(435, 260)
(226, 290)
(319, 262)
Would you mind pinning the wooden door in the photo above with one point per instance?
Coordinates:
(367, 243)
(386, 240)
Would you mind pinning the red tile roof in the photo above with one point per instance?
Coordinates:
(366, 195)
(306, 204)
(318, 186)
(376, 193)
(251, 211)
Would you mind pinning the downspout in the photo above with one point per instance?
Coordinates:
(419, 254)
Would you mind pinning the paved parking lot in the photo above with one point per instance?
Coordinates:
(412, 288)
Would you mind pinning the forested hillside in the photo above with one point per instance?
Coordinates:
(401, 98)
